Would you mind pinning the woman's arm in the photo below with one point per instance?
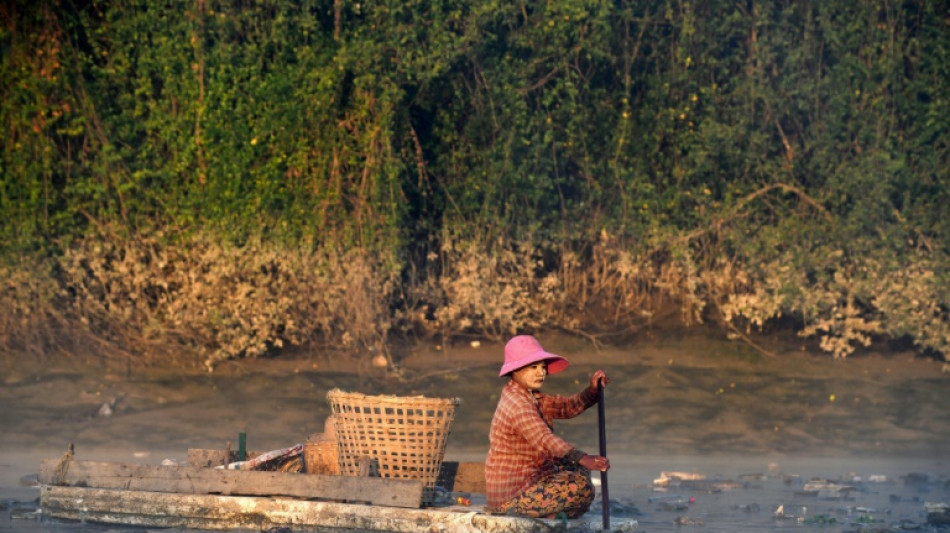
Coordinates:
(562, 407)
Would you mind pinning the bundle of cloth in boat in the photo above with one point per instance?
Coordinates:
(280, 460)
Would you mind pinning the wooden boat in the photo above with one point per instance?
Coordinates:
(195, 496)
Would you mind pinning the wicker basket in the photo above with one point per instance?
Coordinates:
(320, 451)
(320, 457)
(405, 435)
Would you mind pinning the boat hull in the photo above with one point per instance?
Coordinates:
(220, 512)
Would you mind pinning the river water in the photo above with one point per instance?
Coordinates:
(754, 428)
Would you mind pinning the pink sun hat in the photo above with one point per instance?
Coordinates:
(523, 350)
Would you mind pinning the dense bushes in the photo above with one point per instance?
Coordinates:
(227, 178)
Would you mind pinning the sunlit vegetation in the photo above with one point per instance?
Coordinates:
(199, 180)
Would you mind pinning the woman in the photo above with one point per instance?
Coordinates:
(530, 471)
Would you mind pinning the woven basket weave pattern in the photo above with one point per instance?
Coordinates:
(406, 436)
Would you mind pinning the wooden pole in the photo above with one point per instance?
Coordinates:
(605, 494)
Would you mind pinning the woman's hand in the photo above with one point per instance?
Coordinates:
(599, 377)
(595, 462)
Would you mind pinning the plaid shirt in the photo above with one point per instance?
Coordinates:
(522, 445)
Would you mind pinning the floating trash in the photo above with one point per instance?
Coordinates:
(29, 513)
(689, 521)
(784, 514)
(936, 507)
(105, 410)
(672, 502)
(941, 519)
(672, 506)
(666, 478)
(826, 490)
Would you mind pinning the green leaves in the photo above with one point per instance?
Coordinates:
(729, 129)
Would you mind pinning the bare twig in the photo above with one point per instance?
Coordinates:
(540, 83)
(749, 341)
(581, 333)
(753, 196)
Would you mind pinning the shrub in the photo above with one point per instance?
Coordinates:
(851, 301)
(485, 287)
(30, 321)
(226, 301)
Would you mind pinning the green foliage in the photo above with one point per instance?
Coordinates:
(690, 135)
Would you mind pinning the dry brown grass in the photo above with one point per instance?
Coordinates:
(198, 300)
(192, 299)
(867, 298)
(30, 319)
(495, 288)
